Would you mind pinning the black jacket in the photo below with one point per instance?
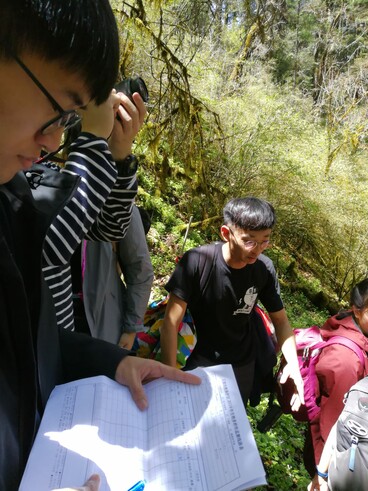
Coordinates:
(34, 355)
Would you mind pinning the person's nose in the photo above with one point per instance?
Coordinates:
(51, 141)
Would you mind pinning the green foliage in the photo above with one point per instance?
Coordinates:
(301, 312)
(281, 450)
(210, 136)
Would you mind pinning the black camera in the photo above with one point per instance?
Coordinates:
(130, 85)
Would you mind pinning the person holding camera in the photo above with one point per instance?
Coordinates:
(102, 202)
(103, 306)
(55, 57)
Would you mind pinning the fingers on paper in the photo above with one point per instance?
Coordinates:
(180, 376)
(92, 484)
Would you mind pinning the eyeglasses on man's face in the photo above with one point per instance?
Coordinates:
(251, 244)
(65, 119)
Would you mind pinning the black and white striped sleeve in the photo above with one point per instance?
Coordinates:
(91, 159)
(113, 221)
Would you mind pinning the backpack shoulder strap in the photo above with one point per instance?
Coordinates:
(349, 343)
(206, 261)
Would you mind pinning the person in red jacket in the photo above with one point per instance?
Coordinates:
(337, 369)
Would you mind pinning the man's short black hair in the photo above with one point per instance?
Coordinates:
(249, 213)
(82, 34)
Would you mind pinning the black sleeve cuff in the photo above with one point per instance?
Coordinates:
(85, 356)
(127, 167)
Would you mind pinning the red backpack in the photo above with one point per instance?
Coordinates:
(309, 343)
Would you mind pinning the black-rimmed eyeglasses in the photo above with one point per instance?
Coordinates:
(65, 119)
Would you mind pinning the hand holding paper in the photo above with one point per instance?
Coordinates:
(134, 371)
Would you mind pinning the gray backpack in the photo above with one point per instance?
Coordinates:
(348, 469)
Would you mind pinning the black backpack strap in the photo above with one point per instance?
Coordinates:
(206, 263)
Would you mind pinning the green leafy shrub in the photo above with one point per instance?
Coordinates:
(281, 450)
(301, 312)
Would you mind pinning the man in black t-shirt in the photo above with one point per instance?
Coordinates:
(237, 274)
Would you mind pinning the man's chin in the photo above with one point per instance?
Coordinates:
(252, 260)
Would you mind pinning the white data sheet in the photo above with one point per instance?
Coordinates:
(191, 438)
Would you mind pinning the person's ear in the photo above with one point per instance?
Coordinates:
(356, 313)
(225, 233)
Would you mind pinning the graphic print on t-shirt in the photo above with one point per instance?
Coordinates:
(249, 300)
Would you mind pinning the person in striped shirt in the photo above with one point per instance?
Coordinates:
(102, 203)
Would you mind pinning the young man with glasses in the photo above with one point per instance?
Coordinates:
(239, 275)
(55, 57)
